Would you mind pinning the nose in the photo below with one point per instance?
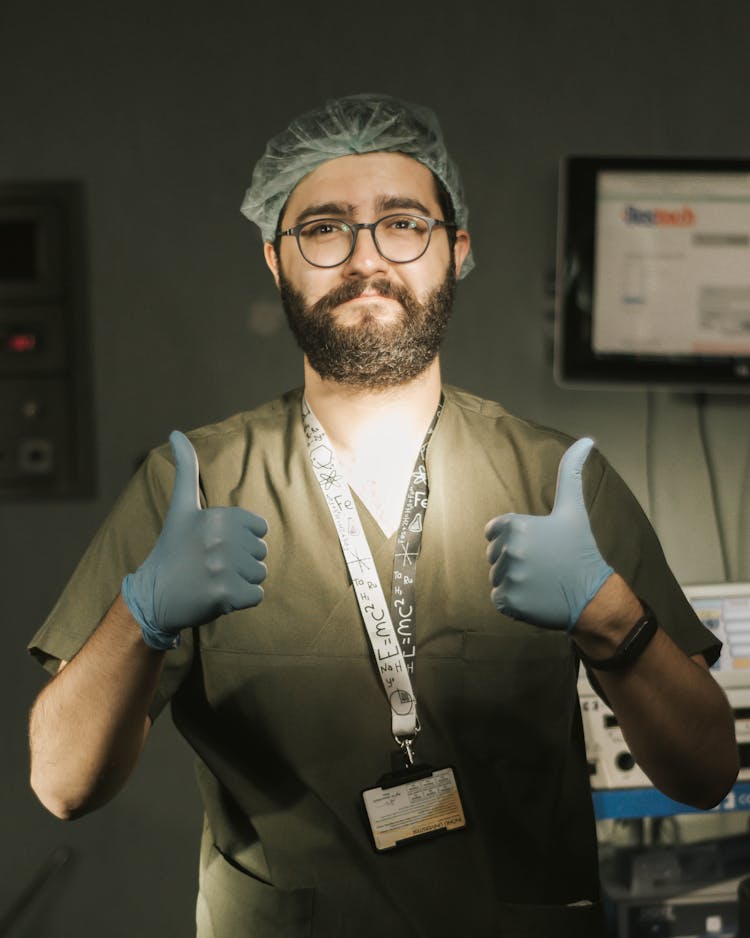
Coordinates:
(366, 260)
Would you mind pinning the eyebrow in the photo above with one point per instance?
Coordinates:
(386, 202)
(383, 203)
(326, 209)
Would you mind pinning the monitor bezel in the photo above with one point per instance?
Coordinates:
(576, 364)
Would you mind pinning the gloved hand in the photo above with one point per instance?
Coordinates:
(206, 561)
(546, 569)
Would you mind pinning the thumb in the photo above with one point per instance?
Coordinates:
(185, 492)
(569, 492)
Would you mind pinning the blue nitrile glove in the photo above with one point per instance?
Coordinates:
(545, 569)
(206, 562)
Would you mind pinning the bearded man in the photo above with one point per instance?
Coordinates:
(383, 747)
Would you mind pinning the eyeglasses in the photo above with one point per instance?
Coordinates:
(329, 242)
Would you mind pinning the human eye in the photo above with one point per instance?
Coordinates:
(404, 223)
(323, 228)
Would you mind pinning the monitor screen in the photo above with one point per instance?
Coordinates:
(33, 242)
(653, 273)
(18, 250)
(724, 608)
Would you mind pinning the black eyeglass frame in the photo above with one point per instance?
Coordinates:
(356, 227)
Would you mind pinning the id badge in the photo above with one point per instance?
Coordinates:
(413, 804)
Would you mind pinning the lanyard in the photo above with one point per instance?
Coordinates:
(408, 544)
(391, 646)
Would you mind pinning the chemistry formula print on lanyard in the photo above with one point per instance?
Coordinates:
(416, 801)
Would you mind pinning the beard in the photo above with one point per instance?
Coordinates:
(370, 354)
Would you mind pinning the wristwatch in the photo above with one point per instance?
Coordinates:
(631, 647)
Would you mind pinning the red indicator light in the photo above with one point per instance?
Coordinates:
(21, 342)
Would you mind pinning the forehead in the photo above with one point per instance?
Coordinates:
(360, 179)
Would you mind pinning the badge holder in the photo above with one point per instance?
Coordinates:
(413, 803)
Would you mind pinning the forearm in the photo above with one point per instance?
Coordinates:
(88, 725)
(674, 716)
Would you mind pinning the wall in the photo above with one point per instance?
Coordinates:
(161, 110)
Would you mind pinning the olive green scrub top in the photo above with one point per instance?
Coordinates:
(289, 721)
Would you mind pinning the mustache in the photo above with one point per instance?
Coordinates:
(348, 291)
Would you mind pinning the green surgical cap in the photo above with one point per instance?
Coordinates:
(359, 123)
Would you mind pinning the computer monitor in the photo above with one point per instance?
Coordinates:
(653, 273)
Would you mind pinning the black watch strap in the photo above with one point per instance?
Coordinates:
(631, 647)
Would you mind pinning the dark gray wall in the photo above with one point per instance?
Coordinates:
(161, 108)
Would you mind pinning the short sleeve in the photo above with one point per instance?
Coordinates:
(629, 544)
(119, 547)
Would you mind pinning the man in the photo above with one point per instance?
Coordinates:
(300, 694)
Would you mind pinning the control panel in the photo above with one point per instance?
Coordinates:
(46, 412)
(724, 609)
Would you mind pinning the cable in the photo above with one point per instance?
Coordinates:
(31, 894)
(650, 451)
(700, 404)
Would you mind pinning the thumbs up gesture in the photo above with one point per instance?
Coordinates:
(544, 570)
(206, 562)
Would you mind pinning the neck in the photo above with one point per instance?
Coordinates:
(376, 435)
(357, 420)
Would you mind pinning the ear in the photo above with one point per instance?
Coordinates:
(272, 260)
(461, 248)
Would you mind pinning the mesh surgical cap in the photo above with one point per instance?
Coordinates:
(360, 123)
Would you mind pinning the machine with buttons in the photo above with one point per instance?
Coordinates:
(619, 785)
(683, 890)
(46, 435)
